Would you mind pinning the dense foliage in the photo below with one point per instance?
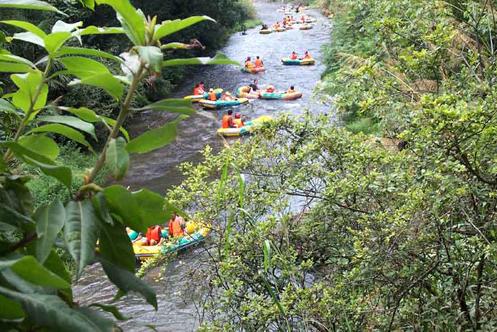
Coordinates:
(35, 286)
(327, 229)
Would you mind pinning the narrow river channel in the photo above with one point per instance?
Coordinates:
(158, 170)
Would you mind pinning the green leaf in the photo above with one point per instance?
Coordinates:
(29, 27)
(117, 158)
(10, 67)
(182, 106)
(16, 59)
(81, 232)
(28, 4)
(154, 139)
(64, 131)
(70, 121)
(10, 310)
(55, 264)
(93, 73)
(41, 144)
(104, 324)
(152, 207)
(110, 309)
(30, 270)
(167, 28)
(54, 41)
(127, 281)
(132, 20)
(7, 107)
(152, 56)
(122, 203)
(219, 59)
(115, 245)
(83, 113)
(93, 30)
(67, 50)
(267, 255)
(28, 85)
(50, 311)
(49, 222)
(47, 166)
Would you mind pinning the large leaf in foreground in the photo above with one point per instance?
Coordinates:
(167, 28)
(41, 144)
(50, 311)
(127, 282)
(28, 4)
(47, 166)
(9, 309)
(115, 245)
(219, 59)
(81, 232)
(63, 130)
(154, 139)
(122, 203)
(49, 222)
(152, 207)
(117, 158)
(30, 270)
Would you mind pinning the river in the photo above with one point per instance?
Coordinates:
(158, 170)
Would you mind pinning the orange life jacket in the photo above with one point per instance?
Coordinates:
(238, 123)
(226, 121)
(175, 228)
(294, 56)
(212, 96)
(197, 92)
(249, 65)
(258, 63)
(154, 233)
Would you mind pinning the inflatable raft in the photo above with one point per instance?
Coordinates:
(305, 27)
(298, 62)
(244, 92)
(249, 128)
(197, 98)
(281, 96)
(265, 31)
(280, 30)
(254, 70)
(209, 104)
(173, 245)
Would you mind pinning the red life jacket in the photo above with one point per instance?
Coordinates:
(154, 233)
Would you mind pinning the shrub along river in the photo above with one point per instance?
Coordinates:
(158, 170)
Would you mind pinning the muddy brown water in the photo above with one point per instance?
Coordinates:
(158, 170)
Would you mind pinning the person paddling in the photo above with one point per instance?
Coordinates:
(248, 63)
(238, 122)
(294, 56)
(307, 56)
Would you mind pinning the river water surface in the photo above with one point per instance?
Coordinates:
(158, 170)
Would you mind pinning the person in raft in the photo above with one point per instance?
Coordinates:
(176, 225)
(212, 95)
(238, 122)
(153, 237)
(197, 90)
(291, 89)
(227, 121)
(254, 88)
(227, 96)
(248, 63)
(270, 89)
(294, 56)
(276, 26)
(307, 56)
(264, 27)
(258, 62)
